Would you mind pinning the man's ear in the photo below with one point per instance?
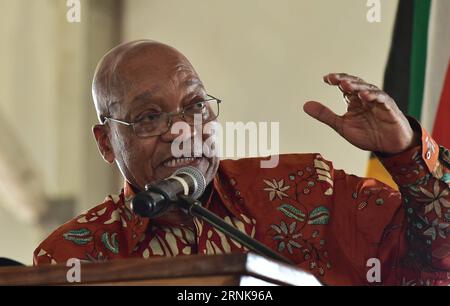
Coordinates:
(103, 143)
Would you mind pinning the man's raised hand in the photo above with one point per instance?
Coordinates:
(372, 122)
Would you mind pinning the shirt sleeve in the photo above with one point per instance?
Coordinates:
(405, 230)
(423, 177)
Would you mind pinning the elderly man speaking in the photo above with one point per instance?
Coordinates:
(325, 221)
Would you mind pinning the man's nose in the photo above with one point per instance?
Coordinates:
(179, 129)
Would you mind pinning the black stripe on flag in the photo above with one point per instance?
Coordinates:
(398, 69)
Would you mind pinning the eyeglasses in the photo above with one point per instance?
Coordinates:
(153, 123)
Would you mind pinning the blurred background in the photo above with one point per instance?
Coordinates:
(264, 58)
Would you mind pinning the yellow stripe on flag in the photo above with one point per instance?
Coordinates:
(376, 170)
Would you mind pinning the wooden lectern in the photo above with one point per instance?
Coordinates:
(234, 269)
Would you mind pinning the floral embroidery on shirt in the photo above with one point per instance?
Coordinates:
(435, 199)
(292, 212)
(97, 259)
(111, 243)
(319, 216)
(286, 237)
(79, 236)
(276, 189)
(435, 228)
(289, 237)
(91, 216)
(324, 175)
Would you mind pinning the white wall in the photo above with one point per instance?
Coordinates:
(18, 239)
(265, 58)
(46, 68)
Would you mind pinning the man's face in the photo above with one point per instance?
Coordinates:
(161, 83)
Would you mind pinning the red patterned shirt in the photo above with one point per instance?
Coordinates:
(324, 220)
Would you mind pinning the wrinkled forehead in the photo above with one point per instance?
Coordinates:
(151, 68)
(124, 74)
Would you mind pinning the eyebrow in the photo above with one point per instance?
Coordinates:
(193, 82)
(143, 97)
(148, 94)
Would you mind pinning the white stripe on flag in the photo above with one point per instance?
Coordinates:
(438, 54)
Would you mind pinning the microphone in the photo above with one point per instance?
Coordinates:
(161, 194)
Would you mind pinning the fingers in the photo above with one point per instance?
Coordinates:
(324, 115)
(348, 83)
(354, 103)
(376, 96)
(336, 78)
(354, 89)
(373, 96)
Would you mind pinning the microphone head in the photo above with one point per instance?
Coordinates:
(198, 178)
(144, 204)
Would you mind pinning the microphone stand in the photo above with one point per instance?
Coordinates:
(195, 208)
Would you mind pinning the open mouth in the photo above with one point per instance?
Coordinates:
(179, 162)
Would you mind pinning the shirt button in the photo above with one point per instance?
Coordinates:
(428, 156)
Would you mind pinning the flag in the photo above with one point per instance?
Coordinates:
(417, 74)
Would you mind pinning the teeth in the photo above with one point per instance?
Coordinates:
(178, 161)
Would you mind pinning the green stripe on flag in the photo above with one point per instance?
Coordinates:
(418, 56)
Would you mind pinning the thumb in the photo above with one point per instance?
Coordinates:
(323, 114)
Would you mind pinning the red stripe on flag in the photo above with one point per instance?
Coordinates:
(441, 130)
